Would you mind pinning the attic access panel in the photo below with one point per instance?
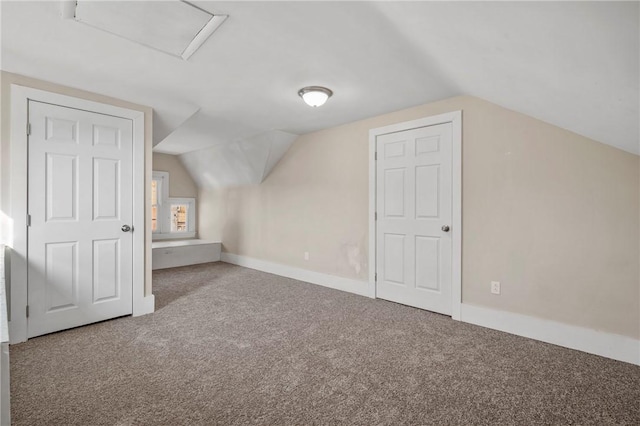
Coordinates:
(174, 27)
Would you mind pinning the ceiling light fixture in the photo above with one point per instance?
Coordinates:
(315, 96)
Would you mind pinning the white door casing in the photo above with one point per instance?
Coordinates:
(20, 98)
(415, 207)
(80, 196)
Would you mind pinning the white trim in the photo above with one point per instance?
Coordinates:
(163, 177)
(203, 35)
(145, 305)
(162, 216)
(20, 97)
(18, 212)
(338, 283)
(608, 345)
(614, 346)
(142, 304)
(456, 229)
(372, 214)
(455, 118)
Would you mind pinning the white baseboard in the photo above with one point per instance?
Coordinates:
(148, 306)
(621, 348)
(326, 280)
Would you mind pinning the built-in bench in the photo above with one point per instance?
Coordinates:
(169, 254)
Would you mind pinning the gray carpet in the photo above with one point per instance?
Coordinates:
(229, 345)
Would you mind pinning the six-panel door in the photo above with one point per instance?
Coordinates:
(80, 195)
(414, 203)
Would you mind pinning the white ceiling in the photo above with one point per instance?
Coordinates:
(573, 64)
(168, 26)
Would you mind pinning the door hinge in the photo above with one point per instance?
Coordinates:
(375, 155)
(28, 129)
(27, 311)
(375, 277)
(28, 220)
(375, 216)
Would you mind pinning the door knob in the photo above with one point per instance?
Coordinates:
(445, 228)
(126, 228)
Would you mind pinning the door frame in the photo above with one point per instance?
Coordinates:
(455, 118)
(20, 97)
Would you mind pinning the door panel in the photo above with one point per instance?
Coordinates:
(80, 195)
(427, 191)
(106, 189)
(414, 202)
(427, 145)
(61, 187)
(106, 136)
(393, 185)
(394, 258)
(428, 263)
(61, 277)
(106, 264)
(61, 130)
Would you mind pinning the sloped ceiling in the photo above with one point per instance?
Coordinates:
(242, 162)
(572, 64)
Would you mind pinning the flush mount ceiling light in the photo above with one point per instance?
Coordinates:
(174, 27)
(315, 96)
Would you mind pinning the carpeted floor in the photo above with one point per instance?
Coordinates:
(229, 345)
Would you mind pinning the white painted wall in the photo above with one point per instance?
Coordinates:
(181, 184)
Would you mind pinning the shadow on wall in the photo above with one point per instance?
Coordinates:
(233, 224)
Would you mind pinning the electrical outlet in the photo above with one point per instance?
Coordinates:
(306, 255)
(495, 287)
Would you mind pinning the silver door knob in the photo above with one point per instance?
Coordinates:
(445, 228)
(126, 228)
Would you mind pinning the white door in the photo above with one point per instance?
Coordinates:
(414, 217)
(80, 198)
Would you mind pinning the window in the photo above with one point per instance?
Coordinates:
(170, 217)
(179, 218)
(182, 215)
(156, 186)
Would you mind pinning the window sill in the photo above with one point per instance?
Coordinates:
(173, 236)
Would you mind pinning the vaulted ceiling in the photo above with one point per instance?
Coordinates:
(572, 64)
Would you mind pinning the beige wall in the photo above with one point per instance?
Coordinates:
(180, 182)
(552, 215)
(7, 79)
